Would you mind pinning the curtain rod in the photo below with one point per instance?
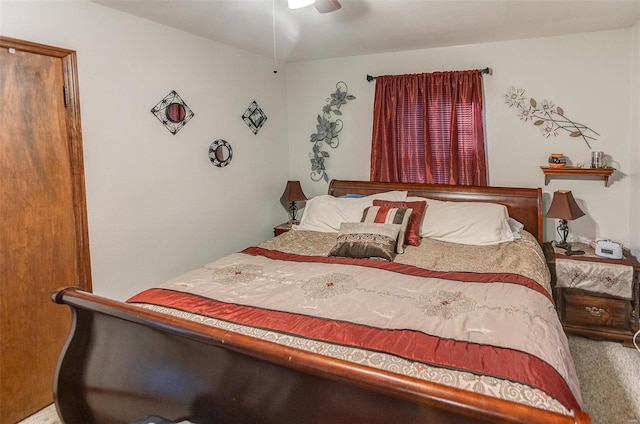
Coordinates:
(486, 70)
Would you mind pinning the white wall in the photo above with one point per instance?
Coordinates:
(587, 74)
(634, 113)
(156, 206)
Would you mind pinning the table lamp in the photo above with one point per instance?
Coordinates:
(564, 207)
(293, 193)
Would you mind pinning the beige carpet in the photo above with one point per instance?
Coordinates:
(609, 375)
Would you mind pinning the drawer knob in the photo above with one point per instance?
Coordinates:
(595, 311)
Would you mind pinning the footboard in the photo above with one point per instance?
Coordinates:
(122, 362)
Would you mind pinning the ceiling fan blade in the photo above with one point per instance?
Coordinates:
(326, 6)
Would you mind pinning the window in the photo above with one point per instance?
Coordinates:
(445, 144)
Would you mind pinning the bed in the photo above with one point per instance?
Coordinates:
(295, 331)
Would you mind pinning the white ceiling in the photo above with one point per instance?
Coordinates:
(378, 26)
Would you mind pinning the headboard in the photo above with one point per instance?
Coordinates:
(523, 204)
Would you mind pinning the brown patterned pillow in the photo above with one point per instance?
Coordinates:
(366, 240)
(390, 215)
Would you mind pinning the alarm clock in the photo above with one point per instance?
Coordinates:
(609, 249)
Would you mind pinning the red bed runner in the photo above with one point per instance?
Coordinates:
(475, 358)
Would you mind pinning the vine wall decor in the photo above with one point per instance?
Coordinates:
(549, 117)
(327, 131)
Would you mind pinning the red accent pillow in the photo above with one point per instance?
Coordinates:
(412, 235)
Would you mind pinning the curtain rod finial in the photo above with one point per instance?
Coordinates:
(370, 78)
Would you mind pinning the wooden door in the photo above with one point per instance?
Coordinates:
(43, 224)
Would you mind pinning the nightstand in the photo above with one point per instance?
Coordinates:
(595, 297)
(282, 228)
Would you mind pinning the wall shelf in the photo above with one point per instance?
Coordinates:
(574, 171)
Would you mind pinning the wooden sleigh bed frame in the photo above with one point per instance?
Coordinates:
(121, 362)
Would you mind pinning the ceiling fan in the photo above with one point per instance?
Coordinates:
(323, 6)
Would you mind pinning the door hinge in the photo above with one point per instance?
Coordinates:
(65, 95)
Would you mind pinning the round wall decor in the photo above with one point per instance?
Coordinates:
(220, 153)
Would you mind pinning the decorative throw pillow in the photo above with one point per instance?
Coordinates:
(366, 240)
(389, 215)
(412, 235)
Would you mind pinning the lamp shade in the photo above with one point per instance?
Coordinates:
(293, 192)
(564, 206)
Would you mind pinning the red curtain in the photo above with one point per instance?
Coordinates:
(429, 128)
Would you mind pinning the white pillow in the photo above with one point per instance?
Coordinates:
(477, 223)
(516, 227)
(325, 213)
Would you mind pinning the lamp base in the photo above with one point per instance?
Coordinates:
(293, 209)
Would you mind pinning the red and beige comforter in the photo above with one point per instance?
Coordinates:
(480, 318)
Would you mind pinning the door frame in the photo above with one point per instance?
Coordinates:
(74, 144)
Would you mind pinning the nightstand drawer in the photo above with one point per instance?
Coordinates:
(585, 308)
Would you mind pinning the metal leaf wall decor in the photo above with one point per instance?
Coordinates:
(327, 131)
(549, 117)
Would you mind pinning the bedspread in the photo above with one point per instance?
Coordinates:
(477, 319)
